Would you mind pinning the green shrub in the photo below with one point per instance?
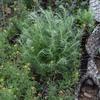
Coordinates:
(48, 43)
(15, 81)
(43, 62)
(51, 44)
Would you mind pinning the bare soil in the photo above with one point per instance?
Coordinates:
(88, 91)
(97, 62)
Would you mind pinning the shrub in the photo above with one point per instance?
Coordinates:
(43, 62)
(48, 43)
(51, 44)
(15, 82)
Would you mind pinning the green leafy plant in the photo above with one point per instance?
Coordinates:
(51, 44)
(43, 62)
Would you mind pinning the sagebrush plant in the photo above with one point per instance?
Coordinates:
(51, 44)
(15, 84)
(43, 62)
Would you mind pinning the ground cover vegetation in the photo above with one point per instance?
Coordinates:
(40, 51)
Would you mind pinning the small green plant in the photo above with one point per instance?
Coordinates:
(15, 83)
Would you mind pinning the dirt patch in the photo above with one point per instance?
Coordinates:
(97, 62)
(88, 90)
